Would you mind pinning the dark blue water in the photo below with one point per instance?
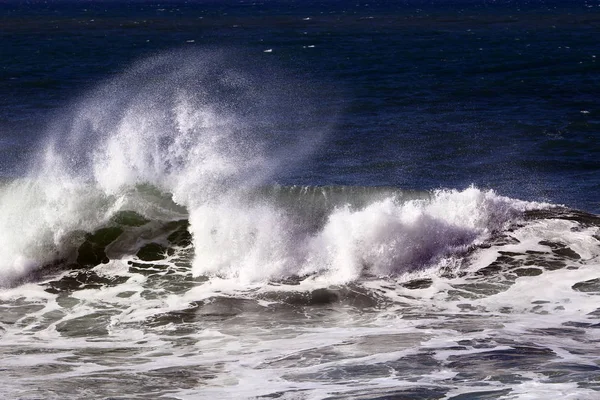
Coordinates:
(426, 94)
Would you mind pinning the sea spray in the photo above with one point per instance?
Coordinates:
(197, 124)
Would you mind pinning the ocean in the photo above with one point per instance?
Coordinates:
(288, 199)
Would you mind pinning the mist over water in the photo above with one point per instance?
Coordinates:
(194, 123)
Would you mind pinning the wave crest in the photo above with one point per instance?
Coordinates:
(385, 237)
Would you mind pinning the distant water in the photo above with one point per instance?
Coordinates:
(299, 200)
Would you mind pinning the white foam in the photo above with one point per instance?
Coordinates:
(306, 348)
(388, 237)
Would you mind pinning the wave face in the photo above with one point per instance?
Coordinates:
(203, 126)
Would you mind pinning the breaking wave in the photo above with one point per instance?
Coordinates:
(202, 137)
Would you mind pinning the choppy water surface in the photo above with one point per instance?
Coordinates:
(511, 316)
(299, 201)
